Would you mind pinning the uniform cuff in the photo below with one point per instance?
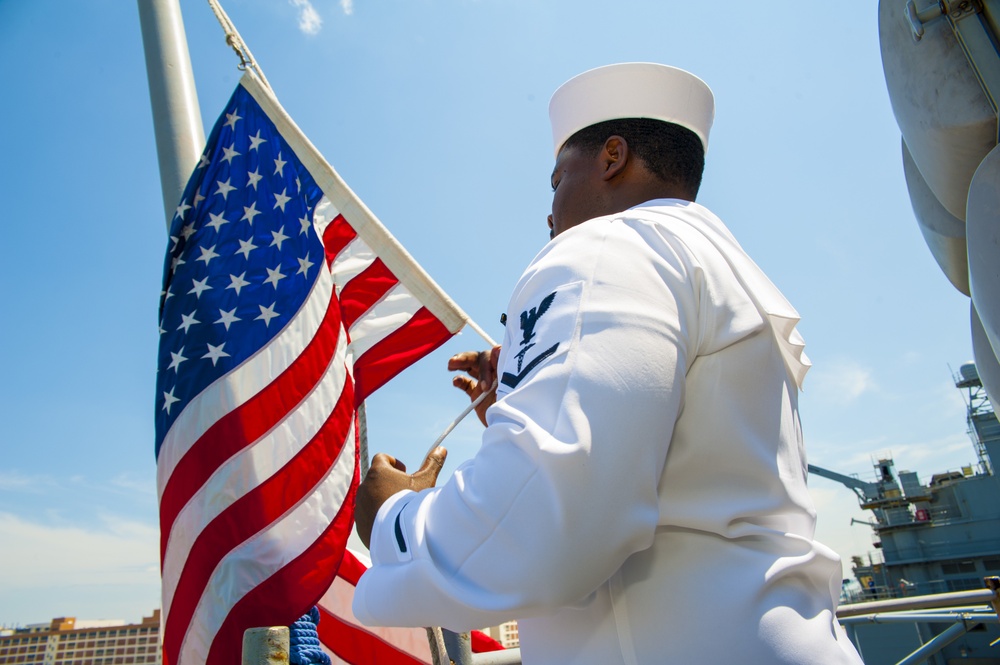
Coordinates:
(390, 541)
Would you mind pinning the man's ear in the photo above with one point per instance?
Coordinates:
(614, 156)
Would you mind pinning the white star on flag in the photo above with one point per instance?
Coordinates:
(280, 200)
(249, 212)
(230, 153)
(228, 318)
(224, 188)
(217, 220)
(216, 352)
(237, 283)
(246, 246)
(278, 238)
(274, 276)
(199, 287)
(187, 320)
(168, 400)
(176, 359)
(304, 266)
(207, 254)
(267, 313)
(256, 141)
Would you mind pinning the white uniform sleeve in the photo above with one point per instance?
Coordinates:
(601, 330)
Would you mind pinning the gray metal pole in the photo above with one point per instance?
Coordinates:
(935, 645)
(180, 135)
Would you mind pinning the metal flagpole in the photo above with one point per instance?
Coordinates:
(180, 135)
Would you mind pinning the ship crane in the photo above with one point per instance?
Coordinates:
(866, 491)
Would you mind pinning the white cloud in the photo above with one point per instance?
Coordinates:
(309, 19)
(347, 6)
(842, 382)
(53, 569)
(120, 551)
(14, 481)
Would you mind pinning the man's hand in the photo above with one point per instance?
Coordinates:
(386, 476)
(482, 368)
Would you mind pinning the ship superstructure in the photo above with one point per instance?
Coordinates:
(932, 538)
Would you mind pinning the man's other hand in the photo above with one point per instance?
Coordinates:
(386, 476)
(481, 366)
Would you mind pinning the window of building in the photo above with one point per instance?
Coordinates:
(965, 584)
(958, 567)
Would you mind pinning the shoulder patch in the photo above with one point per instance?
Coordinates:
(544, 330)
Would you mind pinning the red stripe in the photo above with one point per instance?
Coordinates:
(355, 645)
(253, 513)
(291, 591)
(365, 290)
(244, 425)
(336, 237)
(351, 568)
(413, 340)
(482, 643)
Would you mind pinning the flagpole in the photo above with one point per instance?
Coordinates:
(180, 135)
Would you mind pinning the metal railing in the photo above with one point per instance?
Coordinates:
(965, 610)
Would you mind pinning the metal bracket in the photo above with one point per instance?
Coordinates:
(917, 18)
(974, 23)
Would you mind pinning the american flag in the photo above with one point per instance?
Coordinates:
(285, 302)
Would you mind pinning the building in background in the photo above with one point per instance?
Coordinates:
(67, 641)
(505, 634)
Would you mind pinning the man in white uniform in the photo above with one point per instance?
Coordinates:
(640, 494)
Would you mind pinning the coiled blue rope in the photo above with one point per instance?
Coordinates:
(304, 646)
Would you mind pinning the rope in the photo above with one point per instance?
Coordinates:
(461, 417)
(304, 646)
(236, 42)
(467, 410)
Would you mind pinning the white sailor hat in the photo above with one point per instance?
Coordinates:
(631, 90)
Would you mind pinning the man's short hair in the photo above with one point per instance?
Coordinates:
(672, 153)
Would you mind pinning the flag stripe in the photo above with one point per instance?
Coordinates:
(362, 293)
(244, 471)
(336, 236)
(420, 335)
(353, 645)
(351, 261)
(237, 535)
(241, 385)
(242, 426)
(352, 568)
(311, 570)
(394, 309)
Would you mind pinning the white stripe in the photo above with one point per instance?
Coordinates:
(250, 468)
(412, 641)
(232, 390)
(395, 308)
(324, 213)
(265, 553)
(351, 262)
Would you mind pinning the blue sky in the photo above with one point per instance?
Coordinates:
(435, 113)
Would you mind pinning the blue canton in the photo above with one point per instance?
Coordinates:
(242, 258)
